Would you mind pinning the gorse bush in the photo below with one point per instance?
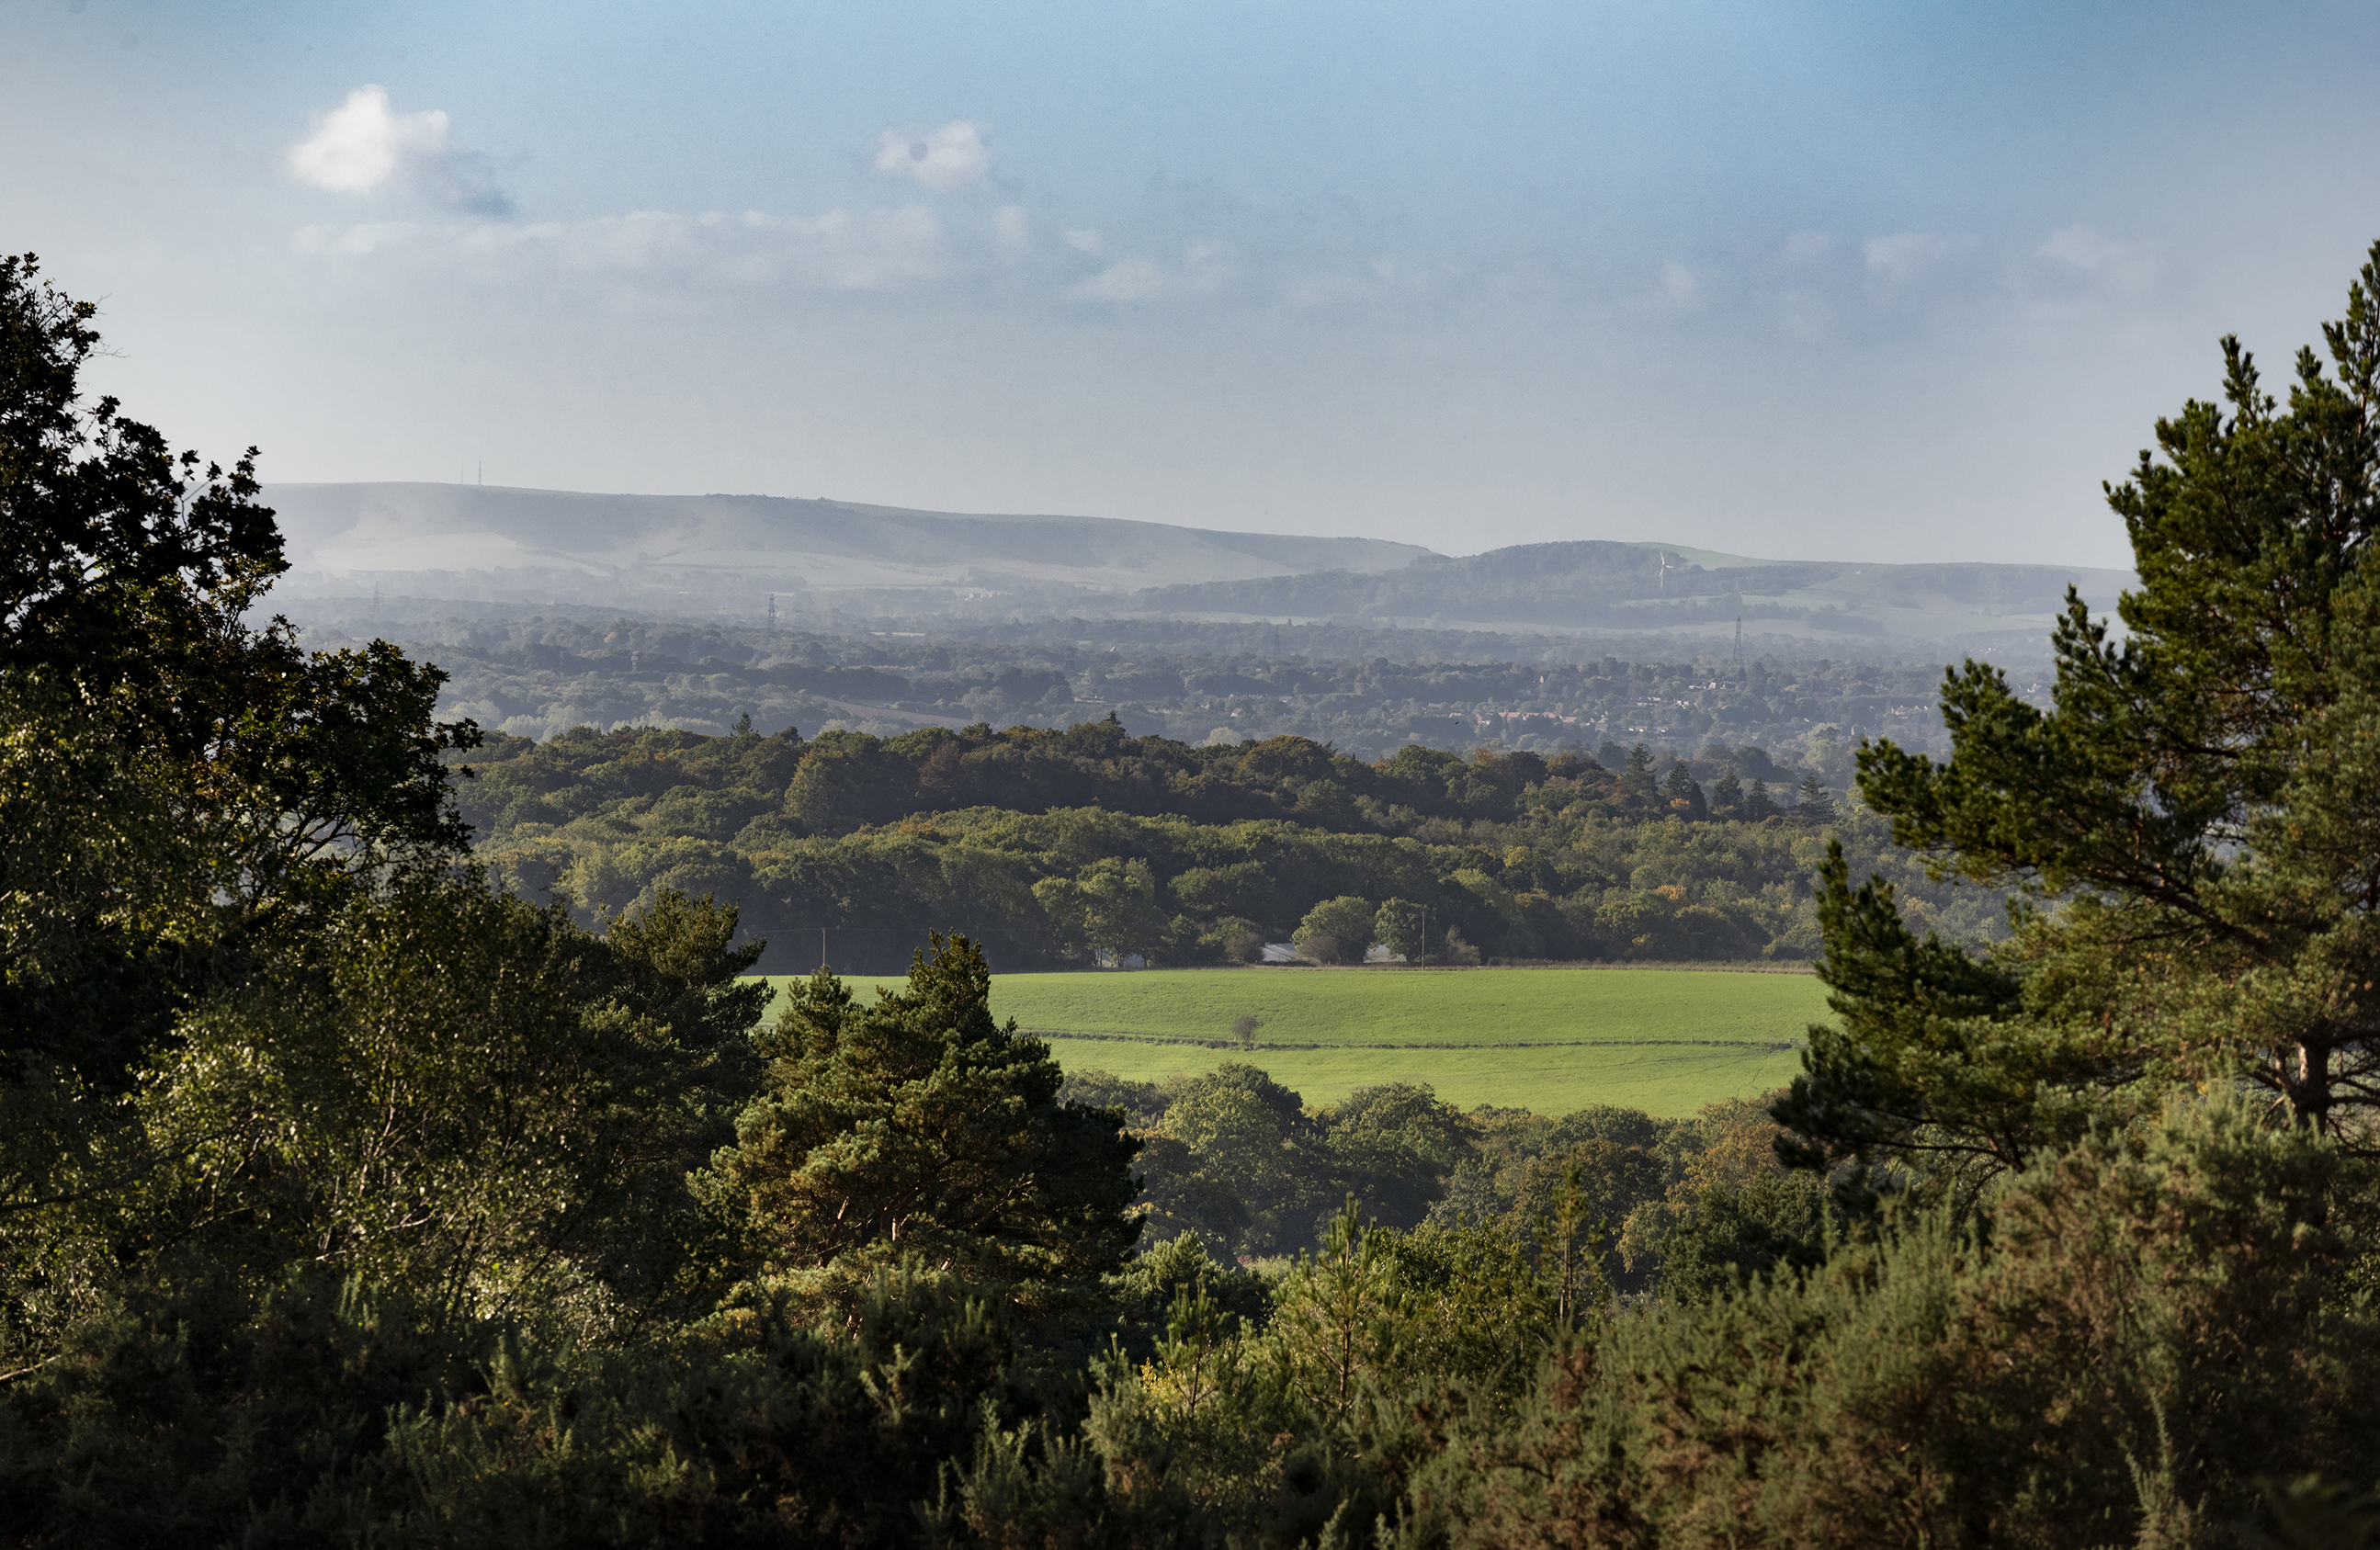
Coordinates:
(2131, 1336)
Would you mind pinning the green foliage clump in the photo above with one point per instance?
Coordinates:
(1337, 930)
(2139, 1327)
(920, 1128)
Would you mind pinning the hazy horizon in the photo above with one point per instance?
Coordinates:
(1834, 281)
(1684, 546)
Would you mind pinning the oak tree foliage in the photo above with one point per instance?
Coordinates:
(265, 777)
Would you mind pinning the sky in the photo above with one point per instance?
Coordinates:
(1899, 281)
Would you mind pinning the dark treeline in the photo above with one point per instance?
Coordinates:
(1092, 845)
(1240, 1162)
(348, 1197)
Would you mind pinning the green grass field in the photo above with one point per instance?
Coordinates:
(1552, 1040)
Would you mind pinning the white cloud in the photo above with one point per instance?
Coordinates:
(875, 250)
(950, 157)
(1905, 255)
(1808, 246)
(1204, 269)
(2083, 247)
(1085, 240)
(362, 144)
(356, 145)
(1678, 288)
(1127, 279)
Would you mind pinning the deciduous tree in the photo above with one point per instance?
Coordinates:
(1397, 926)
(128, 572)
(1337, 930)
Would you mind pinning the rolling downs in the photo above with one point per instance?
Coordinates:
(730, 553)
(645, 551)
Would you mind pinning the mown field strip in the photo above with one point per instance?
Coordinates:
(1660, 1080)
(1666, 1041)
(1085, 1034)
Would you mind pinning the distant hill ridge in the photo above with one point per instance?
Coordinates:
(644, 548)
(1605, 586)
(730, 552)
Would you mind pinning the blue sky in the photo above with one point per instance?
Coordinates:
(1903, 282)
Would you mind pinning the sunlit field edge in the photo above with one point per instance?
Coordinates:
(1666, 1041)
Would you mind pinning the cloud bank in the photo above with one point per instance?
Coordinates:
(1184, 248)
(840, 250)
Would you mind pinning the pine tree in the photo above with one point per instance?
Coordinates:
(2193, 814)
(1812, 802)
(1638, 777)
(1726, 795)
(919, 1126)
(1682, 794)
(1933, 1062)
